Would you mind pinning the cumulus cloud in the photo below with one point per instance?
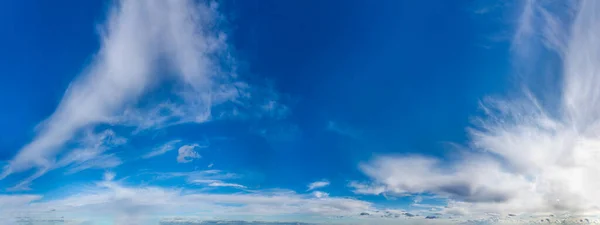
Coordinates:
(525, 155)
(317, 185)
(187, 153)
(143, 45)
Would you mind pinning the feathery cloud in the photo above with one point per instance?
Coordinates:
(525, 155)
(317, 185)
(143, 44)
(169, 146)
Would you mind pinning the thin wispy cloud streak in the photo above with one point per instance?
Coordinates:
(169, 146)
(525, 155)
(143, 43)
(317, 185)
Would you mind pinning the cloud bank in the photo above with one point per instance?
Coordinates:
(114, 202)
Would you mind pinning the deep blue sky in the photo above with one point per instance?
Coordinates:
(360, 79)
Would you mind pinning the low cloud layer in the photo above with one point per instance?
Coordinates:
(113, 201)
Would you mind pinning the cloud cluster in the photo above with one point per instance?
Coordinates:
(525, 155)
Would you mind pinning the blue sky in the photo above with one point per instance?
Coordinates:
(336, 112)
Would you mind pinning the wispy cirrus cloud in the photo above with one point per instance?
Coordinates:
(317, 185)
(209, 178)
(145, 45)
(526, 154)
(166, 147)
(342, 129)
(139, 40)
(217, 183)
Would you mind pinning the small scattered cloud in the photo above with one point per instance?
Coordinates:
(187, 153)
(109, 176)
(320, 194)
(217, 178)
(317, 185)
(366, 189)
(342, 129)
(218, 183)
(169, 146)
(104, 161)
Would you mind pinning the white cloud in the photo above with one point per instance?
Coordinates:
(320, 194)
(142, 43)
(200, 175)
(187, 153)
(209, 178)
(169, 146)
(342, 129)
(109, 176)
(525, 156)
(217, 183)
(317, 185)
(113, 201)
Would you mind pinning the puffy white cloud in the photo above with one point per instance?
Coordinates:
(317, 185)
(187, 153)
(526, 154)
(320, 194)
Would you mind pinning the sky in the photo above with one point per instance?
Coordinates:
(286, 112)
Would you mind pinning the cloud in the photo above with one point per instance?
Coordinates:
(111, 200)
(144, 43)
(209, 178)
(169, 146)
(317, 185)
(189, 221)
(218, 183)
(320, 194)
(187, 153)
(342, 129)
(525, 155)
